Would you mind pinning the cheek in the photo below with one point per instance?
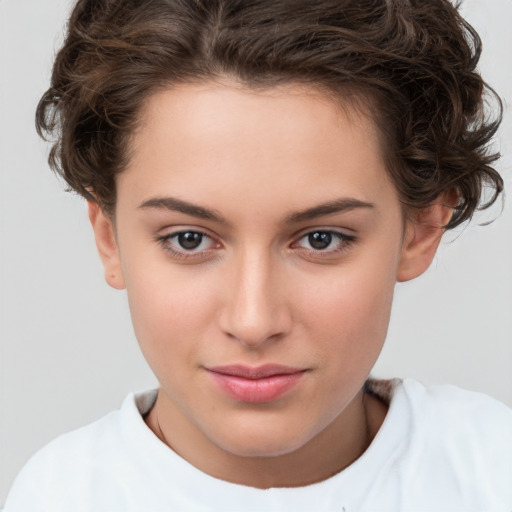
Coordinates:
(349, 308)
(171, 309)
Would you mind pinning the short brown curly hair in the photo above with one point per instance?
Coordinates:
(415, 60)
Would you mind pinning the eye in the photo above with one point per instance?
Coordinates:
(187, 243)
(325, 241)
(319, 240)
(189, 240)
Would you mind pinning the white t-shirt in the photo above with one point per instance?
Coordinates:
(439, 449)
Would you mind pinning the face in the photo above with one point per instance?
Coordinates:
(259, 239)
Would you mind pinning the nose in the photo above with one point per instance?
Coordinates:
(256, 309)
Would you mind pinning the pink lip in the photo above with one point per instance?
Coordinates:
(255, 385)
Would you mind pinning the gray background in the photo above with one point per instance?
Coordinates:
(67, 351)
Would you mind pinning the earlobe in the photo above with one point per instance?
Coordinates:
(423, 234)
(107, 245)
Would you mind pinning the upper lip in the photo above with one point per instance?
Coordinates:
(254, 373)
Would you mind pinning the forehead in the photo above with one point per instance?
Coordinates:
(203, 108)
(204, 139)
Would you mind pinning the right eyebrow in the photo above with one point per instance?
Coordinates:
(178, 205)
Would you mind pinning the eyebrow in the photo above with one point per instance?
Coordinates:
(337, 206)
(329, 208)
(177, 205)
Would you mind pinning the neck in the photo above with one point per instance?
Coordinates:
(333, 449)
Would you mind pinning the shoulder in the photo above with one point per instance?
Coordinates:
(80, 445)
(462, 422)
(445, 408)
(74, 463)
(462, 438)
(449, 408)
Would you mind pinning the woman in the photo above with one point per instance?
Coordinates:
(259, 175)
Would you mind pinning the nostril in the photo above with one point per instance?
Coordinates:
(253, 337)
(268, 328)
(253, 312)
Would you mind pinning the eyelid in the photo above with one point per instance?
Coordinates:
(341, 232)
(345, 241)
(170, 231)
(165, 235)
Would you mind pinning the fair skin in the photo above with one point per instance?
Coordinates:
(296, 238)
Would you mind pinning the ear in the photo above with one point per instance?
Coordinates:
(106, 243)
(423, 233)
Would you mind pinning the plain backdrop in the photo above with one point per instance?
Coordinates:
(67, 351)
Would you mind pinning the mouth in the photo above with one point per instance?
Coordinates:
(255, 385)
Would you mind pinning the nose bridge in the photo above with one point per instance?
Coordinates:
(255, 312)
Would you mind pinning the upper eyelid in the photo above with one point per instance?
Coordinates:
(169, 232)
(344, 240)
(335, 228)
(181, 228)
(342, 232)
(182, 231)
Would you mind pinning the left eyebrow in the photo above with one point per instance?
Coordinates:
(329, 208)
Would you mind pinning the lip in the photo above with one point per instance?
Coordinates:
(255, 385)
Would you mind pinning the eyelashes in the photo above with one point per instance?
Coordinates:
(196, 245)
(188, 244)
(325, 241)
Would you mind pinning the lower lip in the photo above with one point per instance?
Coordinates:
(256, 391)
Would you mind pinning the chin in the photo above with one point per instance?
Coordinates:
(245, 443)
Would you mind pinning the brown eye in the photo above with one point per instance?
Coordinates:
(320, 240)
(189, 240)
(187, 243)
(325, 242)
